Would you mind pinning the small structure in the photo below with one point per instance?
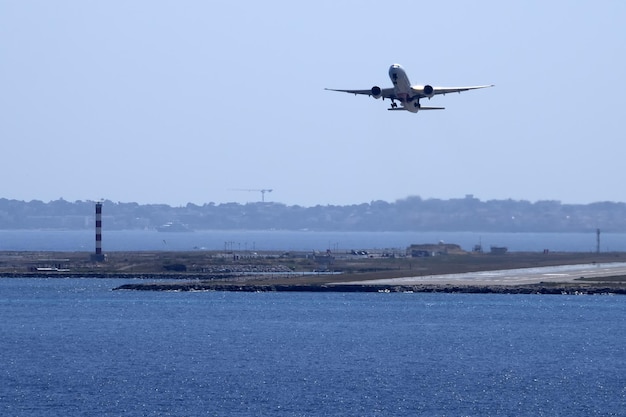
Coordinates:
(499, 250)
(430, 249)
(324, 261)
(49, 265)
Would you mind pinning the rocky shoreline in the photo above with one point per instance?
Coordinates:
(603, 288)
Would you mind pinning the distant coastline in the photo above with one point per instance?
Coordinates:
(409, 214)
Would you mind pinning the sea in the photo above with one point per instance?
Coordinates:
(285, 240)
(75, 347)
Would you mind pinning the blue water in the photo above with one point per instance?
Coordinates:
(241, 240)
(72, 347)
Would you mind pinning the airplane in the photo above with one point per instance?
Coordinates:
(408, 95)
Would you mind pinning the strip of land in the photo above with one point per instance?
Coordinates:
(598, 279)
(282, 271)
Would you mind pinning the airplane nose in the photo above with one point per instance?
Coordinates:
(393, 71)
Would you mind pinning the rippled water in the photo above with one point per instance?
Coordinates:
(73, 347)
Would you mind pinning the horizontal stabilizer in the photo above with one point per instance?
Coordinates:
(421, 108)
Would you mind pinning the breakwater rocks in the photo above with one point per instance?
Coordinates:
(540, 288)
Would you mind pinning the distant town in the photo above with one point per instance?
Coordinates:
(411, 213)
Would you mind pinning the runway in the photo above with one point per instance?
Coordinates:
(521, 276)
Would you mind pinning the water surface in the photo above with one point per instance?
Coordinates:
(73, 347)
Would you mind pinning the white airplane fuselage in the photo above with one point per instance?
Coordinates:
(402, 86)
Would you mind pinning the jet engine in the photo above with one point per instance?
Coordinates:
(423, 91)
(377, 92)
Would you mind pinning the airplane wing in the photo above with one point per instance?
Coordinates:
(384, 92)
(447, 90)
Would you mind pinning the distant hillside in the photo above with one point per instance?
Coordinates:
(412, 213)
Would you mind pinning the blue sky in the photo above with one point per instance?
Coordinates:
(176, 102)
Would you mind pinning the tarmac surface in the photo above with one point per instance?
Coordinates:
(520, 276)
